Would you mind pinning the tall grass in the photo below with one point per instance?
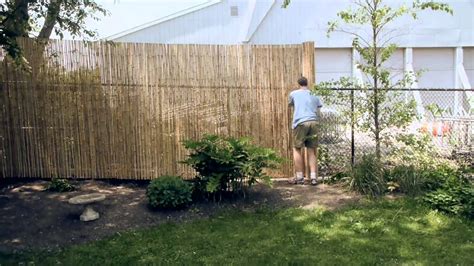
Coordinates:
(367, 176)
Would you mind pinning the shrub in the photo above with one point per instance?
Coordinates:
(444, 187)
(455, 196)
(415, 180)
(437, 176)
(169, 192)
(228, 164)
(60, 185)
(407, 179)
(367, 176)
(414, 148)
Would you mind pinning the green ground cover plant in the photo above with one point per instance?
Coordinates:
(60, 185)
(169, 192)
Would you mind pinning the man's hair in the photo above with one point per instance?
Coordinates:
(303, 81)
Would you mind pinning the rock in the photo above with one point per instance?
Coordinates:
(87, 198)
(4, 198)
(89, 215)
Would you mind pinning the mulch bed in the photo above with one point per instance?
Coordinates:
(34, 218)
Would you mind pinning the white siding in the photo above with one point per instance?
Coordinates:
(307, 20)
(469, 63)
(210, 25)
(438, 67)
(396, 65)
(332, 64)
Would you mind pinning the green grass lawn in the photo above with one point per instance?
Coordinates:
(383, 232)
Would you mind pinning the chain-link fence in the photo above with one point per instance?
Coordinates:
(440, 119)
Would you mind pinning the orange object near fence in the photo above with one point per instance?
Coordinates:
(437, 129)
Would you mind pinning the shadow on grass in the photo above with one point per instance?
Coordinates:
(382, 232)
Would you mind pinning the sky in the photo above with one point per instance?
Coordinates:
(126, 14)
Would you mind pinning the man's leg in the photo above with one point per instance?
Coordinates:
(312, 151)
(298, 159)
(313, 161)
(298, 144)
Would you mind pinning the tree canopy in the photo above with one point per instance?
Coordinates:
(40, 18)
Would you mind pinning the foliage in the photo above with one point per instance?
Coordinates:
(405, 179)
(378, 107)
(436, 111)
(413, 180)
(325, 161)
(228, 164)
(169, 192)
(388, 232)
(339, 177)
(39, 18)
(367, 176)
(60, 185)
(455, 196)
(443, 187)
(418, 164)
(418, 149)
(332, 161)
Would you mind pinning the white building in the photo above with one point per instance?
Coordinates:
(438, 43)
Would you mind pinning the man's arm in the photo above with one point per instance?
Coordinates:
(318, 112)
(290, 100)
(319, 105)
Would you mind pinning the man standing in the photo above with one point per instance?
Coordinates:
(307, 112)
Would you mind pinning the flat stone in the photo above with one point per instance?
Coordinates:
(5, 197)
(87, 199)
(89, 215)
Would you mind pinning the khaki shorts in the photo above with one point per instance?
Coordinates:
(306, 135)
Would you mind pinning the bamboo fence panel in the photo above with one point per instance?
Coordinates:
(122, 110)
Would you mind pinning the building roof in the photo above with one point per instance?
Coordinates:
(163, 19)
(265, 22)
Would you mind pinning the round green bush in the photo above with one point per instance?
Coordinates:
(169, 192)
(60, 185)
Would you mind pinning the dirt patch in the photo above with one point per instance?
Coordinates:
(33, 218)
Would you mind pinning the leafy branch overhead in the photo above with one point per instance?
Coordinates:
(40, 18)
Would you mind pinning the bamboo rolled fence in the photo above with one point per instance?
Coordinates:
(122, 110)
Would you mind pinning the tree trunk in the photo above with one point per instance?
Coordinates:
(375, 77)
(37, 58)
(51, 18)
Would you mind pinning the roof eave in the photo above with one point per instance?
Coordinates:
(163, 19)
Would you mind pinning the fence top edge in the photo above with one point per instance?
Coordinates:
(401, 89)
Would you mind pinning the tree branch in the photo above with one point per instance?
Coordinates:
(51, 18)
(355, 35)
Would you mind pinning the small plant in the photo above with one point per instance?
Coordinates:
(169, 192)
(60, 185)
(367, 176)
(414, 148)
(331, 160)
(406, 179)
(228, 165)
(454, 195)
(339, 177)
